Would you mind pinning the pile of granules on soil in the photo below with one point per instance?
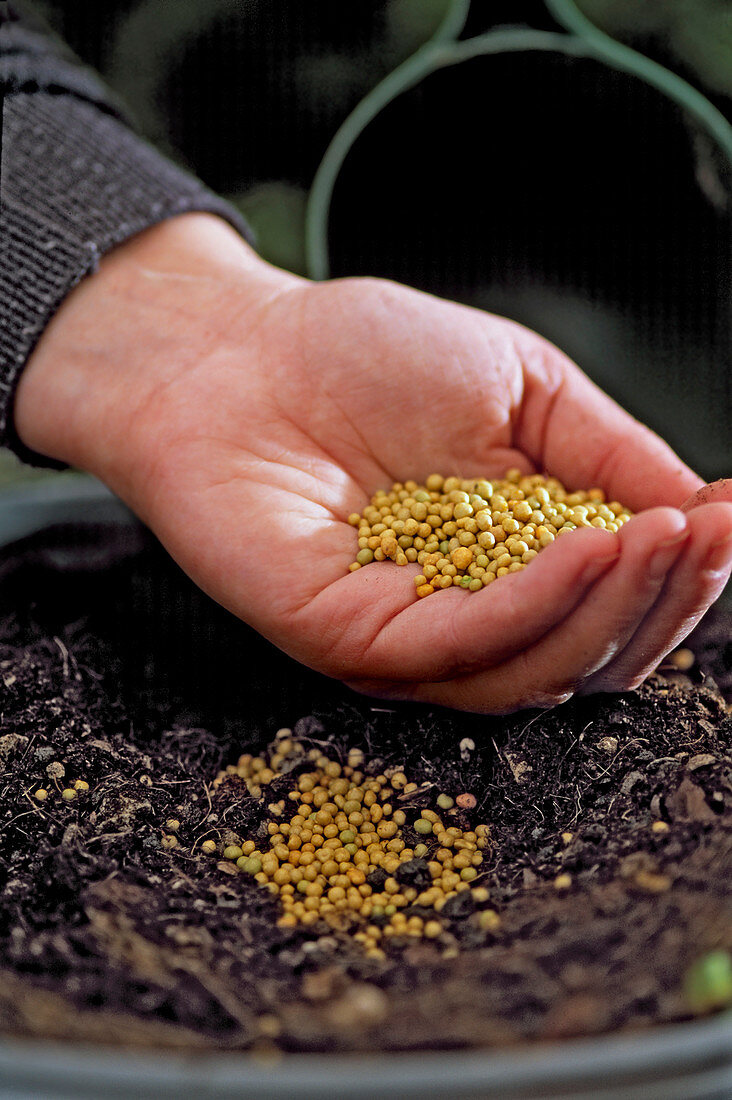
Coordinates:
(362, 852)
(608, 872)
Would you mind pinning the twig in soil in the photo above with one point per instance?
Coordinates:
(171, 782)
(28, 748)
(210, 807)
(530, 722)
(104, 836)
(619, 753)
(577, 741)
(36, 809)
(29, 813)
(410, 796)
(519, 768)
(534, 806)
(578, 804)
(68, 659)
(64, 655)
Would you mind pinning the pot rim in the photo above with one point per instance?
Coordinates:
(680, 1061)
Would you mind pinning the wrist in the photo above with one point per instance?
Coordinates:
(157, 306)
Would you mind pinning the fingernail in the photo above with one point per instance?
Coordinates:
(666, 554)
(597, 567)
(719, 557)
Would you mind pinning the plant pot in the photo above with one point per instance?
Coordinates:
(69, 535)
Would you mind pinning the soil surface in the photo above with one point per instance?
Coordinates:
(120, 675)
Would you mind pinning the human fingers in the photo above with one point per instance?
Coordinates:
(696, 580)
(718, 492)
(373, 625)
(549, 672)
(569, 426)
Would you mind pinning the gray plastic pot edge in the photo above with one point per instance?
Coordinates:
(691, 1061)
(60, 498)
(685, 1062)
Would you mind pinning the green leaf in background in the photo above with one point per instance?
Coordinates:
(708, 982)
(412, 22)
(13, 471)
(697, 32)
(276, 213)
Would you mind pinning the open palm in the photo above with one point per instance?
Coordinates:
(349, 386)
(245, 414)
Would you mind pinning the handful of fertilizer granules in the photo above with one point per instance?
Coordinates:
(470, 532)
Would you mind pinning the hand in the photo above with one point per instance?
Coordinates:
(244, 413)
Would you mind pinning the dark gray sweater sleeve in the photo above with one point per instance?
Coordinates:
(75, 180)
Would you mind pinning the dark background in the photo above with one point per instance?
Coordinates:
(550, 189)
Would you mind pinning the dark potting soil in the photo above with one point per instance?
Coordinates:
(107, 936)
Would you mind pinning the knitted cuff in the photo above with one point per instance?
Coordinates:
(74, 182)
(33, 58)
